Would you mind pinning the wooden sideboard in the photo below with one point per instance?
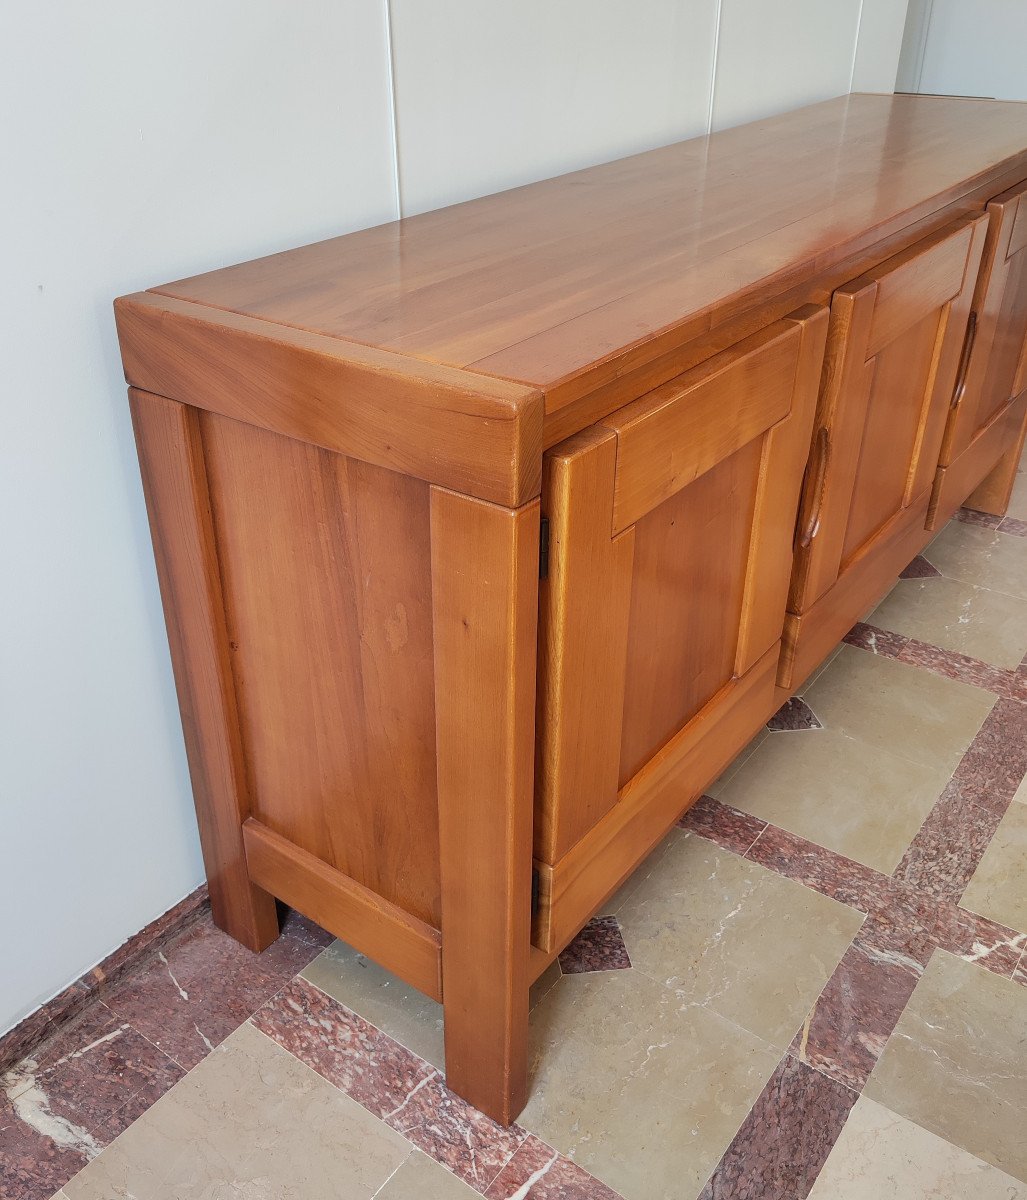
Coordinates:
(487, 538)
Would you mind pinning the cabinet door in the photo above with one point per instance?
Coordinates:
(994, 366)
(670, 548)
(893, 351)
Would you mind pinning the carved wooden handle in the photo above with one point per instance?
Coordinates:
(964, 362)
(818, 477)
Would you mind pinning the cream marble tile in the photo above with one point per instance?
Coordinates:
(250, 1121)
(637, 1086)
(861, 801)
(957, 616)
(1020, 795)
(882, 1156)
(998, 888)
(413, 1019)
(1018, 500)
(956, 1063)
(419, 1178)
(727, 934)
(896, 707)
(983, 557)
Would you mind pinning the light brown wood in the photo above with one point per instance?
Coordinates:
(996, 368)
(409, 948)
(481, 436)
(484, 601)
(654, 353)
(573, 888)
(170, 449)
(713, 501)
(326, 570)
(893, 353)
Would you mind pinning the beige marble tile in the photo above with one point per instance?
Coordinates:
(1020, 795)
(743, 757)
(957, 616)
(639, 1087)
(998, 888)
(956, 1063)
(861, 801)
(882, 1156)
(404, 1013)
(727, 934)
(250, 1121)
(982, 557)
(1018, 500)
(420, 1178)
(896, 707)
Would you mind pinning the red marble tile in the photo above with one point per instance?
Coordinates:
(970, 516)
(1014, 526)
(1020, 970)
(920, 568)
(720, 823)
(794, 714)
(948, 846)
(994, 765)
(598, 947)
(841, 878)
(348, 1051)
(845, 1032)
(44, 1023)
(33, 1166)
(203, 985)
(538, 1172)
(453, 1133)
(959, 666)
(877, 641)
(784, 1141)
(978, 940)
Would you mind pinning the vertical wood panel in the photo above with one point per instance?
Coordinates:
(484, 601)
(178, 503)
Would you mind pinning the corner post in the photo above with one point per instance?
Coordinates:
(485, 610)
(170, 444)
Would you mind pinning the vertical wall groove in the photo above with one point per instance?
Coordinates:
(713, 67)
(391, 67)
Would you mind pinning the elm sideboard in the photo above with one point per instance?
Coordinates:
(487, 538)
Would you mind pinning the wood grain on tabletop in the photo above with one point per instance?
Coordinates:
(538, 283)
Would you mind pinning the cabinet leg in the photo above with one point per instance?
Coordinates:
(485, 605)
(170, 446)
(993, 493)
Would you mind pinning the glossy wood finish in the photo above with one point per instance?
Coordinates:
(891, 369)
(546, 283)
(347, 449)
(170, 448)
(996, 370)
(675, 516)
(484, 600)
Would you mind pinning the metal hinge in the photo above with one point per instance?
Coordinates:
(535, 884)
(543, 549)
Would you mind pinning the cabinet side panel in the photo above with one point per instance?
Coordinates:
(326, 566)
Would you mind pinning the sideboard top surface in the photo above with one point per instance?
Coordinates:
(538, 283)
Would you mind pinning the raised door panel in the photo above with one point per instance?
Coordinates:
(993, 372)
(893, 353)
(661, 616)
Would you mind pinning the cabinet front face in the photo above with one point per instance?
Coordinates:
(893, 355)
(986, 419)
(671, 526)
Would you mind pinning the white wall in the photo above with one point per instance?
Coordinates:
(142, 142)
(964, 49)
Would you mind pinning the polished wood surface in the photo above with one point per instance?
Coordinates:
(404, 945)
(544, 282)
(485, 604)
(712, 499)
(736, 378)
(170, 447)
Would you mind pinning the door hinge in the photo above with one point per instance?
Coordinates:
(543, 549)
(535, 891)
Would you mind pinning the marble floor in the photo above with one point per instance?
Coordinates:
(816, 986)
